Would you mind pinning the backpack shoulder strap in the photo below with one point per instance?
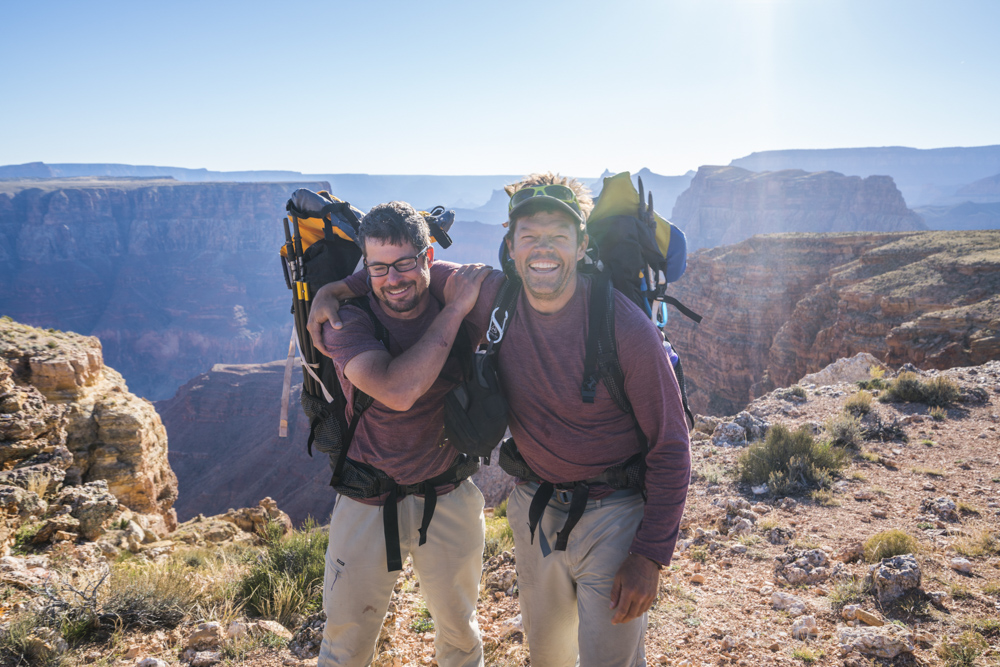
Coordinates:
(362, 401)
(504, 306)
(601, 360)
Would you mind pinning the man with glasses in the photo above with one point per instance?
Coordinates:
(588, 549)
(399, 441)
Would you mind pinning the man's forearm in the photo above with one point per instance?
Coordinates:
(398, 382)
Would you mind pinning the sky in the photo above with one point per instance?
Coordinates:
(484, 87)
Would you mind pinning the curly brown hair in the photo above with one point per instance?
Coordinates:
(581, 191)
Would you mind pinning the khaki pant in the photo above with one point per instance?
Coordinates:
(357, 587)
(565, 596)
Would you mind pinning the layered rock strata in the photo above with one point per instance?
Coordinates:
(172, 277)
(69, 419)
(779, 307)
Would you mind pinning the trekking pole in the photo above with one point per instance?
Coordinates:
(295, 245)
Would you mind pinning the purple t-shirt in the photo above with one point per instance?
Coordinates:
(408, 446)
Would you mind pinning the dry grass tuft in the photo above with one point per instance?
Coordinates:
(889, 543)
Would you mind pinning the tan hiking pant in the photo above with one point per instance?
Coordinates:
(357, 586)
(565, 596)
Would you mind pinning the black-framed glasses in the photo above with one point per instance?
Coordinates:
(402, 265)
(560, 192)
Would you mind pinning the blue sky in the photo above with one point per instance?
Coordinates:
(488, 87)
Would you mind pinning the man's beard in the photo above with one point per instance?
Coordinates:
(395, 305)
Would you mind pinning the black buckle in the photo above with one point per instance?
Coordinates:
(588, 390)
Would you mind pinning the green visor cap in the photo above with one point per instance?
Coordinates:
(538, 203)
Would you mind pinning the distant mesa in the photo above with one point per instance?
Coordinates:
(726, 205)
(924, 176)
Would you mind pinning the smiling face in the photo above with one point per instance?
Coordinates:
(545, 250)
(405, 294)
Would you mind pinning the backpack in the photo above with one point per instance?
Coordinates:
(636, 252)
(324, 248)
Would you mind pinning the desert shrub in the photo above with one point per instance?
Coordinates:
(859, 404)
(825, 497)
(845, 431)
(17, 646)
(142, 595)
(499, 537)
(909, 388)
(889, 543)
(938, 414)
(850, 591)
(982, 543)
(964, 650)
(790, 462)
(906, 388)
(941, 392)
(500, 511)
(288, 577)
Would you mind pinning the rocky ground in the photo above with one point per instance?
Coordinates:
(756, 580)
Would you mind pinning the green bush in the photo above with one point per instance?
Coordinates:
(909, 388)
(500, 511)
(889, 543)
(963, 651)
(499, 537)
(859, 404)
(287, 579)
(845, 431)
(790, 462)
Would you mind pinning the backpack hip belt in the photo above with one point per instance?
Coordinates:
(462, 469)
(628, 474)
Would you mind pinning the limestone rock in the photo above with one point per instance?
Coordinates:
(21, 503)
(943, 508)
(796, 567)
(868, 618)
(729, 434)
(204, 637)
(92, 504)
(896, 576)
(754, 427)
(961, 565)
(844, 371)
(272, 627)
(785, 602)
(307, 638)
(887, 641)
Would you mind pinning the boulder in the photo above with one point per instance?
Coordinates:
(804, 628)
(894, 577)
(943, 508)
(785, 602)
(729, 434)
(797, 567)
(754, 427)
(92, 504)
(887, 641)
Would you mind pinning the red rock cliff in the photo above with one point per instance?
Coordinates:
(778, 307)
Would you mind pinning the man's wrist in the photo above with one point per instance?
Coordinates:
(658, 565)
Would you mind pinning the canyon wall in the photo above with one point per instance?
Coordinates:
(225, 449)
(172, 277)
(68, 419)
(725, 205)
(780, 306)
